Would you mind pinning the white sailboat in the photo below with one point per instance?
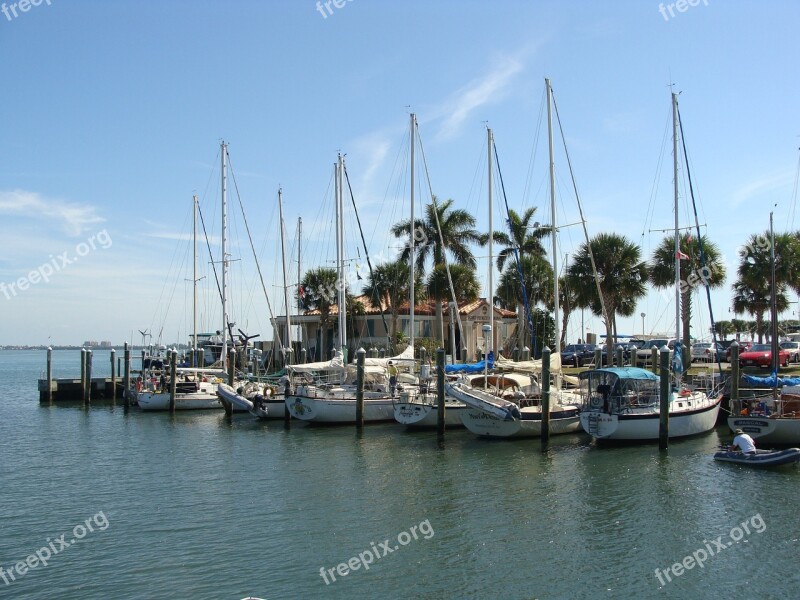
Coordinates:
(624, 403)
(325, 392)
(491, 414)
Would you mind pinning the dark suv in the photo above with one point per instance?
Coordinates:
(578, 354)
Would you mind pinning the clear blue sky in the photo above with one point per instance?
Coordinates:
(113, 112)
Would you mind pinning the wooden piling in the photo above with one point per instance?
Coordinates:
(464, 355)
(83, 374)
(49, 374)
(126, 382)
(303, 356)
(87, 398)
(598, 358)
(735, 404)
(440, 417)
(113, 374)
(287, 416)
(526, 354)
(545, 398)
(663, 423)
(515, 354)
(173, 378)
(620, 357)
(360, 355)
(654, 359)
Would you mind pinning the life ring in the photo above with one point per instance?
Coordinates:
(596, 402)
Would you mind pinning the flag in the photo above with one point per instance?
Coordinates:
(681, 256)
(677, 358)
(301, 293)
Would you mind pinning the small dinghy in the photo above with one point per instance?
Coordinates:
(255, 406)
(762, 458)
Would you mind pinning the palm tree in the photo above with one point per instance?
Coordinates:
(524, 238)
(622, 276)
(458, 232)
(567, 301)
(753, 297)
(318, 292)
(465, 284)
(537, 274)
(692, 273)
(389, 284)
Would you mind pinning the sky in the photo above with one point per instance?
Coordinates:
(113, 114)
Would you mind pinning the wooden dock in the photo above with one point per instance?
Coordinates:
(66, 390)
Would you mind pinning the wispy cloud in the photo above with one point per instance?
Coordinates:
(73, 217)
(766, 184)
(490, 88)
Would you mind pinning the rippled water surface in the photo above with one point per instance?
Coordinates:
(198, 506)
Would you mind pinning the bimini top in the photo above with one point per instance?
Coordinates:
(623, 373)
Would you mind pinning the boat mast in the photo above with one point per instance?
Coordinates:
(224, 351)
(194, 282)
(299, 241)
(285, 288)
(773, 308)
(340, 258)
(556, 317)
(411, 241)
(490, 292)
(677, 236)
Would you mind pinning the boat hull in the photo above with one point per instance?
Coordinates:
(645, 426)
(333, 410)
(530, 425)
(203, 400)
(762, 458)
(782, 432)
(420, 415)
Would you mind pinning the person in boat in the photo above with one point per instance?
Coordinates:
(743, 443)
(392, 377)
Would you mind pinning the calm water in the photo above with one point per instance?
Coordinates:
(196, 507)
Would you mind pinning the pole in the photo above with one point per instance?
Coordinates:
(289, 345)
(83, 374)
(490, 291)
(554, 232)
(598, 358)
(411, 231)
(663, 422)
(360, 354)
(126, 382)
(654, 359)
(620, 357)
(173, 379)
(49, 374)
(88, 397)
(113, 374)
(736, 407)
(677, 236)
(440, 416)
(545, 397)
(224, 351)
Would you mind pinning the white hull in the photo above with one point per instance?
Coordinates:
(783, 432)
(338, 406)
(418, 414)
(242, 404)
(690, 415)
(202, 400)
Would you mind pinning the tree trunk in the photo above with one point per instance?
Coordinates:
(564, 322)
(439, 324)
(392, 334)
(760, 327)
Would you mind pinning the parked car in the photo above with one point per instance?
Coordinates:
(793, 348)
(628, 349)
(760, 355)
(643, 354)
(578, 354)
(743, 347)
(704, 352)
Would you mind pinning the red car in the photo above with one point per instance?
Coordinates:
(743, 347)
(760, 355)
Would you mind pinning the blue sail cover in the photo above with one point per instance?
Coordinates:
(477, 367)
(771, 381)
(677, 358)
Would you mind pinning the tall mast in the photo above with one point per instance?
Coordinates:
(299, 258)
(556, 317)
(224, 352)
(773, 305)
(340, 256)
(194, 281)
(285, 288)
(490, 293)
(412, 241)
(677, 236)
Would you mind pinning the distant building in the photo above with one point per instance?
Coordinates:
(369, 330)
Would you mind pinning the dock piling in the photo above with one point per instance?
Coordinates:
(526, 354)
(598, 358)
(663, 423)
(113, 374)
(620, 357)
(87, 398)
(545, 397)
(654, 359)
(126, 382)
(173, 378)
(360, 355)
(83, 373)
(49, 374)
(440, 417)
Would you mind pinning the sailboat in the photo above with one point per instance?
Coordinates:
(623, 403)
(771, 420)
(514, 413)
(325, 391)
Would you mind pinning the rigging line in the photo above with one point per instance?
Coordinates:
(276, 329)
(441, 239)
(793, 203)
(208, 245)
(656, 178)
(528, 316)
(366, 252)
(700, 243)
(534, 151)
(580, 211)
